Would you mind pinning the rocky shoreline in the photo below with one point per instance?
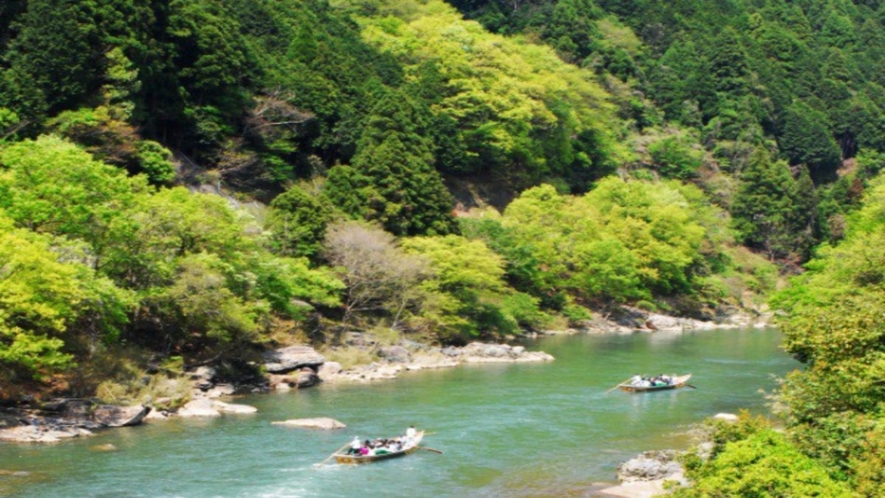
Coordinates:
(293, 367)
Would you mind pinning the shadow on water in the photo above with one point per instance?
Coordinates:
(546, 429)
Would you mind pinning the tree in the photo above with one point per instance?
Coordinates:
(298, 221)
(378, 275)
(54, 187)
(57, 50)
(806, 140)
(47, 304)
(467, 296)
(394, 181)
(765, 209)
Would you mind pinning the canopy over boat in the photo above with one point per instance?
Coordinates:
(659, 383)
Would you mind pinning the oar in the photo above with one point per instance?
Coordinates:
(619, 384)
(689, 385)
(332, 455)
(430, 449)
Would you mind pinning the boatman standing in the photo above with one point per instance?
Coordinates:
(355, 446)
(410, 436)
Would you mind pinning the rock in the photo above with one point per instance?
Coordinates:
(14, 473)
(395, 354)
(233, 408)
(329, 368)
(705, 450)
(157, 415)
(728, 417)
(300, 380)
(292, 358)
(478, 352)
(220, 390)
(665, 323)
(452, 351)
(324, 423)
(38, 434)
(104, 448)
(203, 373)
(120, 416)
(283, 382)
(306, 378)
(641, 489)
(481, 350)
(198, 408)
(649, 466)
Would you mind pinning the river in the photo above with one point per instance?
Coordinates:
(539, 429)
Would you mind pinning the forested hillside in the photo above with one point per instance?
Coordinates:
(442, 171)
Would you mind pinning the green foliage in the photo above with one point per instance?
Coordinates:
(394, 182)
(508, 96)
(195, 281)
(769, 210)
(45, 297)
(54, 187)
(806, 140)
(298, 221)
(675, 159)
(621, 241)
(467, 294)
(763, 464)
(835, 326)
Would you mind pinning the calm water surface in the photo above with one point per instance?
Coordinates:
(546, 429)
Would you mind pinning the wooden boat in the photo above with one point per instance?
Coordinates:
(345, 458)
(676, 381)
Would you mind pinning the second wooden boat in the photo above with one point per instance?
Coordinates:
(676, 381)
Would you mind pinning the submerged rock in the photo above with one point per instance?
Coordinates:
(104, 447)
(38, 434)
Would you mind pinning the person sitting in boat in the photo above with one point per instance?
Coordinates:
(396, 445)
(366, 448)
(641, 381)
(355, 446)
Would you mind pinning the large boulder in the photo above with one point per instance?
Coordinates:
(292, 358)
(323, 423)
(120, 416)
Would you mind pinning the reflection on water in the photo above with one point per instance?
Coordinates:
(548, 429)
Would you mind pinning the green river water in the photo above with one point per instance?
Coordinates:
(537, 429)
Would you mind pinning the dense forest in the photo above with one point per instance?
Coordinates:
(188, 182)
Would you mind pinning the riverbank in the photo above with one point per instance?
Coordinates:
(293, 367)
